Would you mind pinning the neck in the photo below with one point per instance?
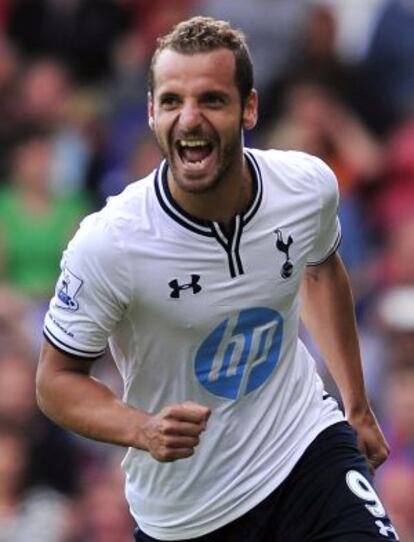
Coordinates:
(230, 197)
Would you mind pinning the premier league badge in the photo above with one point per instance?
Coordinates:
(67, 290)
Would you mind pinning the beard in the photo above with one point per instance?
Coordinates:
(198, 182)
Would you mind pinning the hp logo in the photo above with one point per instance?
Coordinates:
(240, 353)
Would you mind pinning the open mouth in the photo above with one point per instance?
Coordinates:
(195, 153)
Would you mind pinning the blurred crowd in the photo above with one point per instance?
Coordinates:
(335, 79)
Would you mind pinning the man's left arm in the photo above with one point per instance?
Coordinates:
(328, 314)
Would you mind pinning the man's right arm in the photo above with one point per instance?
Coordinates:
(69, 395)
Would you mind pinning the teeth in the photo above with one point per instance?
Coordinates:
(193, 143)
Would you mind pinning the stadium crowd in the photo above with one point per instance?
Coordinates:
(335, 79)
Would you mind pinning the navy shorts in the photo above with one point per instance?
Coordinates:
(328, 497)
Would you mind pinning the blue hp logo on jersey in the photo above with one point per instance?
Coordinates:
(241, 353)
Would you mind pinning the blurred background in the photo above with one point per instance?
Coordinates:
(335, 78)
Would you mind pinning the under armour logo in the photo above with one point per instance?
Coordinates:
(176, 288)
(287, 267)
(386, 530)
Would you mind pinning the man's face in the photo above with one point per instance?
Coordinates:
(197, 116)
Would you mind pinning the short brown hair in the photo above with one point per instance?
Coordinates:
(204, 34)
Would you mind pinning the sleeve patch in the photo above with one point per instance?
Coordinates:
(67, 289)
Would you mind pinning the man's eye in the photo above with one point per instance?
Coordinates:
(169, 101)
(214, 100)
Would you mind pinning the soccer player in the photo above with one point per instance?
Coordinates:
(197, 276)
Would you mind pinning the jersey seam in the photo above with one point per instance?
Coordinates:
(331, 251)
(119, 242)
(62, 346)
(320, 210)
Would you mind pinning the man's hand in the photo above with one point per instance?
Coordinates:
(175, 431)
(370, 438)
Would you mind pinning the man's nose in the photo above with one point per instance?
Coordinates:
(190, 116)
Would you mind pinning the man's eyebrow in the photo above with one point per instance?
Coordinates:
(168, 94)
(214, 94)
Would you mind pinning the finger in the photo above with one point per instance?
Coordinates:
(203, 411)
(187, 413)
(197, 407)
(181, 442)
(174, 454)
(171, 427)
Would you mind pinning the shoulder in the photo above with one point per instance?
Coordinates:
(129, 209)
(101, 246)
(94, 264)
(302, 164)
(297, 170)
(121, 216)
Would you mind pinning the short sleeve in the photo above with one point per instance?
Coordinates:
(328, 234)
(92, 291)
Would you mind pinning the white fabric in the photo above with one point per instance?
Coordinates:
(192, 316)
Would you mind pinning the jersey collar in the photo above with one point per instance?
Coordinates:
(204, 227)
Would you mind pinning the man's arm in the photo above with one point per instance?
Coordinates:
(68, 394)
(328, 314)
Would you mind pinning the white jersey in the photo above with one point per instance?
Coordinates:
(191, 313)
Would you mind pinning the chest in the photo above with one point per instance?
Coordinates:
(189, 279)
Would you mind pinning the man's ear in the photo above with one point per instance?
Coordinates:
(250, 111)
(150, 110)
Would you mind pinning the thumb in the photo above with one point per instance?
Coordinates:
(202, 410)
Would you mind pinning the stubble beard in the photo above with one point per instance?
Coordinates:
(226, 159)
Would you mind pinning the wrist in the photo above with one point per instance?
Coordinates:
(358, 410)
(135, 434)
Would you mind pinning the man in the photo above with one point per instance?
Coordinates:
(193, 274)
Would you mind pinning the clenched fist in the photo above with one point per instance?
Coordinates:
(175, 431)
